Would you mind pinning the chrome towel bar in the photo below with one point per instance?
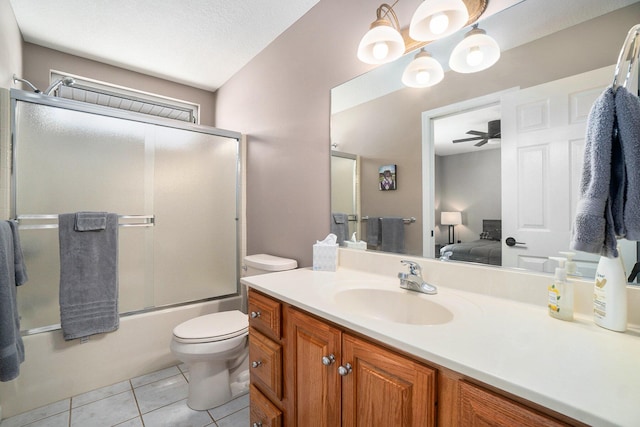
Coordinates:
(125, 221)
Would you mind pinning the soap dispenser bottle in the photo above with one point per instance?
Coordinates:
(570, 266)
(610, 294)
(560, 302)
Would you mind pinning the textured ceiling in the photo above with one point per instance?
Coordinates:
(201, 43)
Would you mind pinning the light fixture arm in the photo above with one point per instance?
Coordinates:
(388, 10)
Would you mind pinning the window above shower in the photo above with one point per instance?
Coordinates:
(106, 94)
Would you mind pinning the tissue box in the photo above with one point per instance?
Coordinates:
(362, 245)
(325, 257)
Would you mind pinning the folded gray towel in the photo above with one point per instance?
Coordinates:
(340, 226)
(628, 117)
(88, 278)
(373, 232)
(12, 274)
(593, 229)
(90, 221)
(392, 234)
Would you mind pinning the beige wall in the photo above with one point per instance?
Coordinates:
(281, 100)
(10, 45)
(39, 60)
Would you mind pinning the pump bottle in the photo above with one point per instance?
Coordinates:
(610, 294)
(560, 302)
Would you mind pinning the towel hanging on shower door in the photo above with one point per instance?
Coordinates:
(88, 273)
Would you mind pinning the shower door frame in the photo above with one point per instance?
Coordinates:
(51, 101)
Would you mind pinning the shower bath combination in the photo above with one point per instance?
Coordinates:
(65, 81)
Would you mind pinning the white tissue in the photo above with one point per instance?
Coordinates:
(355, 244)
(330, 240)
(325, 254)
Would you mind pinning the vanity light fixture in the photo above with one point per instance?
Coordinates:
(435, 19)
(451, 219)
(423, 71)
(383, 42)
(476, 52)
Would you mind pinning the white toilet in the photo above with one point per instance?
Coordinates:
(215, 346)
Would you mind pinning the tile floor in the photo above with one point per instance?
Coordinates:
(158, 399)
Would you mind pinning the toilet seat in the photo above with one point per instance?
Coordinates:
(212, 327)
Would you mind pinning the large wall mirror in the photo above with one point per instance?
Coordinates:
(507, 196)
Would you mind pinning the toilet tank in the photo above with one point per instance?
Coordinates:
(263, 263)
(254, 265)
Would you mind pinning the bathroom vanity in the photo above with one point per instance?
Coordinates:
(351, 348)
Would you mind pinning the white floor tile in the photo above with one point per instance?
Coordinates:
(37, 414)
(161, 393)
(177, 414)
(105, 412)
(159, 396)
(155, 376)
(101, 393)
(230, 407)
(238, 419)
(60, 420)
(135, 422)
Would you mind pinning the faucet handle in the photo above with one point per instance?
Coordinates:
(414, 268)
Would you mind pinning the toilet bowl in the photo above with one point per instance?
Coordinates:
(215, 347)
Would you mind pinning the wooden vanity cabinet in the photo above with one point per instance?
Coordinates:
(314, 373)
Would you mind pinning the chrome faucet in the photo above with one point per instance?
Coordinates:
(413, 281)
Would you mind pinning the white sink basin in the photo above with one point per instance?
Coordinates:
(393, 306)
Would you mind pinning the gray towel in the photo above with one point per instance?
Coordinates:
(392, 234)
(12, 274)
(340, 226)
(628, 117)
(88, 278)
(90, 221)
(373, 232)
(593, 229)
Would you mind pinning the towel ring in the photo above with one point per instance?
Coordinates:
(630, 50)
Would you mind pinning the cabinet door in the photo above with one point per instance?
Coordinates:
(482, 408)
(312, 387)
(385, 389)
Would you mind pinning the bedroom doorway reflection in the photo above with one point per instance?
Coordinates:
(468, 184)
(462, 173)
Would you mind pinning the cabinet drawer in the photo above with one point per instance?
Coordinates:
(263, 413)
(480, 407)
(265, 363)
(265, 314)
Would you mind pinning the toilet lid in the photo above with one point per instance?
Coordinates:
(213, 327)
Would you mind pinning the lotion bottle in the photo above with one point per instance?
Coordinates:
(610, 294)
(560, 302)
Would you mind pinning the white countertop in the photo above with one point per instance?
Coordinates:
(574, 368)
